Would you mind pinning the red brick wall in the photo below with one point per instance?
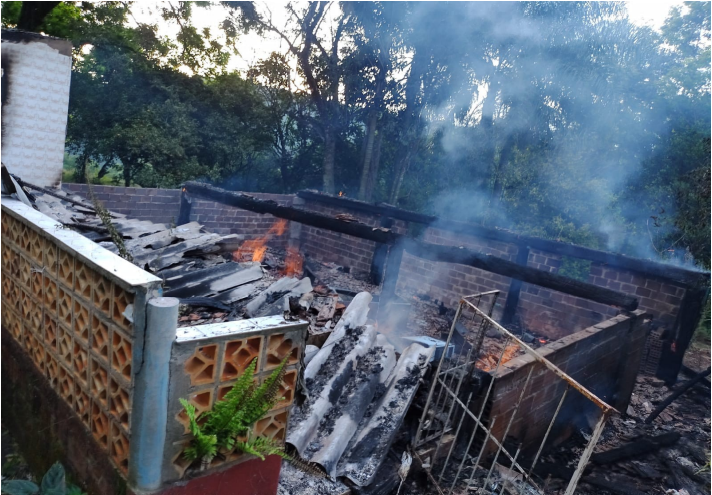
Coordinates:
(156, 205)
(604, 358)
(224, 219)
(163, 206)
(448, 282)
(327, 246)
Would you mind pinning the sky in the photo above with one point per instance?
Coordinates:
(254, 47)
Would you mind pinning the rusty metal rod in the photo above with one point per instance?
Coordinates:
(586, 455)
(509, 425)
(548, 430)
(583, 390)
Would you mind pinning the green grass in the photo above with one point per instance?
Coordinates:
(69, 168)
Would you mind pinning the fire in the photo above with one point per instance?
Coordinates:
(489, 362)
(293, 263)
(255, 249)
(341, 193)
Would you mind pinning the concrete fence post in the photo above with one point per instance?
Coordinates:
(150, 409)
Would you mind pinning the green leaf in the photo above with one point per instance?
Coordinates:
(19, 487)
(53, 482)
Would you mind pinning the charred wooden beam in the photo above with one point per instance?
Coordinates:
(688, 317)
(639, 447)
(526, 274)
(186, 203)
(515, 287)
(239, 200)
(677, 393)
(424, 250)
(649, 268)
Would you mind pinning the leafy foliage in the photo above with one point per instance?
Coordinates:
(53, 483)
(227, 424)
(519, 115)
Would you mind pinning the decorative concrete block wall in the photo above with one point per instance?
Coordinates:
(78, 311)
(205, 364)
(95, 326)
(36, 76)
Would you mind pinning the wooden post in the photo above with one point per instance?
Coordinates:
(185, 206)
(393, 263)
(515, 287)
(688, 317)
(380, 255)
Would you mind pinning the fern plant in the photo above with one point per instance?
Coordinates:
(227, 424)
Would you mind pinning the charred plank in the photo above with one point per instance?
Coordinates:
(527, 274)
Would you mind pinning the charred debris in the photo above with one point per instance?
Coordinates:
(371, 359)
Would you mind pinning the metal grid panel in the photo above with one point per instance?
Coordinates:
(453, 402)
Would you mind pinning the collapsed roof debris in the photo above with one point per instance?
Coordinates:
(358, 394)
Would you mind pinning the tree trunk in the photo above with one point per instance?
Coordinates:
(80, 174)
(127, 174)
(329, 156)
(375, 166)
(403, 166)
(368, 153)
(488, 110)
(504, 157)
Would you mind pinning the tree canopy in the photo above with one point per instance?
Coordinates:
(559, 119)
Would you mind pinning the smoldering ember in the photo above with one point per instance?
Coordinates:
(368, 248)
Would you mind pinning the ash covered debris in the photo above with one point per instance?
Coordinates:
(358, 393)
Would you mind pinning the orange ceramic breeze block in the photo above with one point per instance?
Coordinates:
(50, 332)
(286, 389)
(119, 448)
(50, 257)
(36, 282)
(121, 354)
(100, 426)
(273, 425)
(52, 370)
(83, 280)
(36, 247)
(80, 359)
(122, 299)
(279, 347)
(202, 401)
(64, 307)
(65, 267)
(25, 270)
(50, 294)
(81, 323)
(201, 365)
(99, 383)
(102, 294)
(120, 407)
(64, 346)
(82, 406)
(238, 356)
(100, 339)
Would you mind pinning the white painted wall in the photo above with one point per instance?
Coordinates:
(34, 117)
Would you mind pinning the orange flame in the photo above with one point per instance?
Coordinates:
(293, 263)
(341, 193)
(255, 249)
(489, 362)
